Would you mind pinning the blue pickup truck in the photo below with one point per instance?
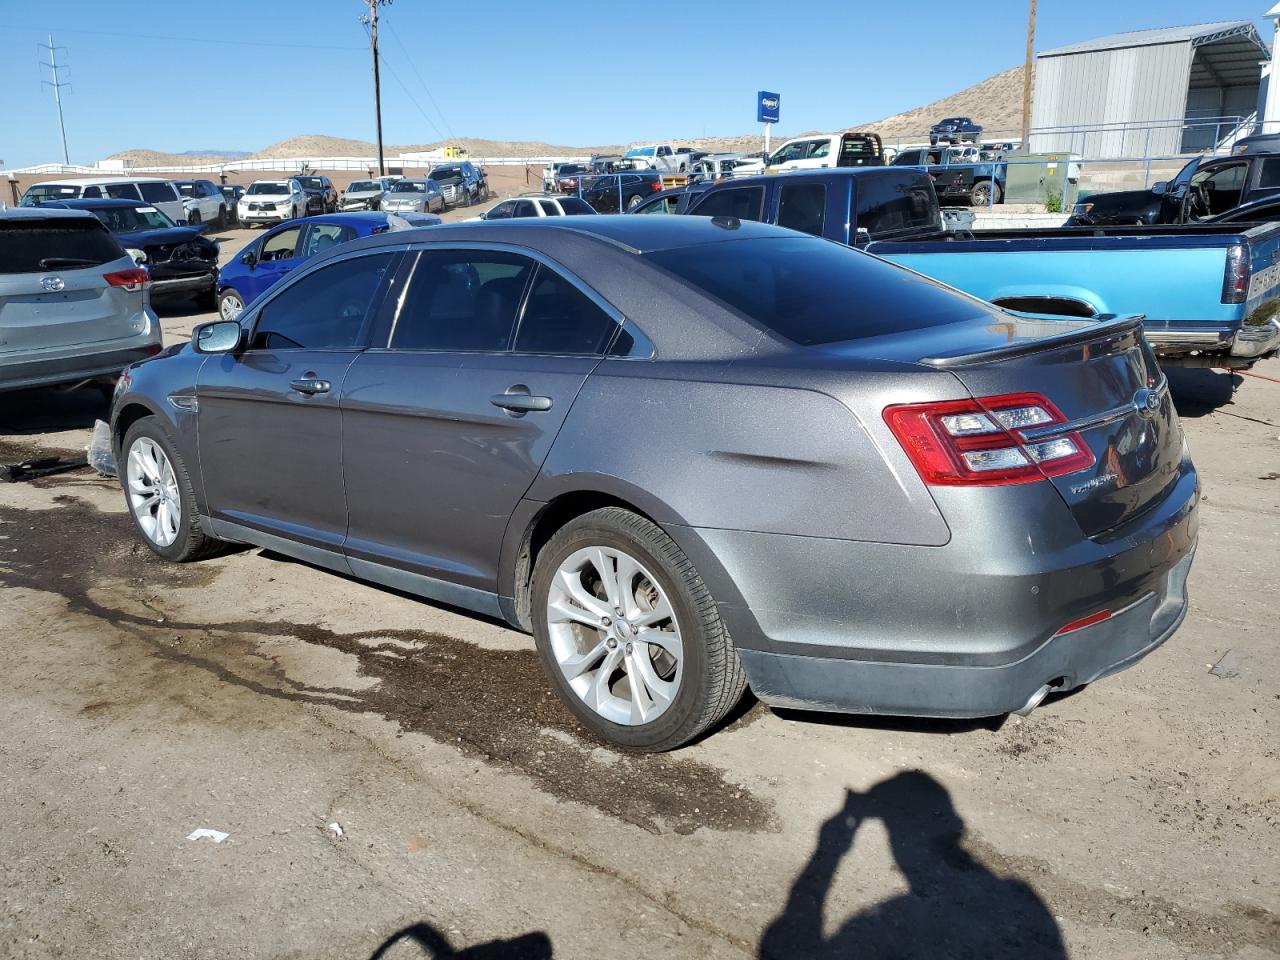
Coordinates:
(959, 173)
(1210, 293)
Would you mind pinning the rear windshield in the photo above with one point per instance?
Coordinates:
(896, 204)
(446, 173)
(49, 191)
(157, 192)
(572, 206)
(812, 291)
(64, 243)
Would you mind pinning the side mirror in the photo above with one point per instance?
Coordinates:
(139, 256)
(249, 259)
(220, 336)
(1160, 187)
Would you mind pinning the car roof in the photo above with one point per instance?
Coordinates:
(99, 181)
(44, 213)
(99, 203)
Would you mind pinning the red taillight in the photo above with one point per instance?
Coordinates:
(1235, 281)
(981, 442)
(657, 186)
(132, 279)
(1083, 622)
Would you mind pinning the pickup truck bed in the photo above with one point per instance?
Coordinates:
(1210, 293)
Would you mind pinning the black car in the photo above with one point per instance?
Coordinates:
(675, 200)
(954, 130)
(632, 189)
(1258, 143)
(321, 195)
(233, 192)
(182, 262)
(1202, 189)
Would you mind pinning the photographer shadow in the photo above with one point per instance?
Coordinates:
(956, 908)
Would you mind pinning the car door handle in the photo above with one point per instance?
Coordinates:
(309, 385)
(518, 401)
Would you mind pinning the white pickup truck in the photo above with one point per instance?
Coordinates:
(657, 156)
(849, 149)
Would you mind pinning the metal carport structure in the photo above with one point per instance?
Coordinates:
(1150, 92)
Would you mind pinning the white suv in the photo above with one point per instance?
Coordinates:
(203, 202)
(270, 201)
(161, 194)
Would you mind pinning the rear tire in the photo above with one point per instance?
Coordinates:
(222, 218)
(157, 485)
(634, 202)
(980, 193)
(687, 677)
(193, 218)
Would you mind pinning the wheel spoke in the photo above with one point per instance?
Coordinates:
(668, 640)
(627, 572)
(649, 692)
(608, 576)
(574, 667)
(649, 618)
(569, 581)
(563, 611)
(599, 692)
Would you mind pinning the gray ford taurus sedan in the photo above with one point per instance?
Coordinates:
(689, 455)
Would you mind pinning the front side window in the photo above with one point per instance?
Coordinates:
(460, 300)
(745, 203)
(561, 319)
(573, 206)
(280, 246)
(158, 192)
(502, 211)
(803, 207)
(323, 310)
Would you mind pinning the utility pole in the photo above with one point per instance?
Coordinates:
(372, 22)
(1027, 73)
(57, 86)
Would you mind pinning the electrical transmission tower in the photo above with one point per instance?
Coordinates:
(57, 86)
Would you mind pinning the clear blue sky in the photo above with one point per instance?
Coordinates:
(576, 73)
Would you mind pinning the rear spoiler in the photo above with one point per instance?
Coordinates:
(1105, 324)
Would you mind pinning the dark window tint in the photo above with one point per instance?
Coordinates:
(157, 192)
(92, 193)
(124, 191)
(813, 291)
(1269, 175)
(63, 243)
(802, 206)
(892, 204)
(631, 343)
(560, 318)
(460, 300)
(549, 208)
(325, 309)
(525, 208)
(745, 203)
(50, 191)
(322, 236)
(573, 206)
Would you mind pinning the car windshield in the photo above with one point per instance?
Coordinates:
(269, 187)
(639, 152)
(409, 186)
(131, 219)
(315, 183)
(446, 173)
(61, 243)
(364, 186)
(49, 191)
(811, 291)
(187, 189)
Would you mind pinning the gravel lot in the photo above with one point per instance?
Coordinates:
(269, 700)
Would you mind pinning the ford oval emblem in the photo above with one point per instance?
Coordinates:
(1146, 402)
(52, 284)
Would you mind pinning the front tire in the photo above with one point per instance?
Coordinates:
(193, 218)
(157, 489)
(230, 304)
(630, 635)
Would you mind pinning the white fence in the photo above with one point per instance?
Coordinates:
(282, 165)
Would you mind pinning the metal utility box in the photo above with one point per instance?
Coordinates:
(1032, 177)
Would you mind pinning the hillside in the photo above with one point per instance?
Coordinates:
(996, 103)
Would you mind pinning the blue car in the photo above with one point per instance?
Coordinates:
(182, 263)
(294, 242)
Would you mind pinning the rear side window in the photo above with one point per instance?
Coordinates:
(63, 243)
(561, 319)
(1269, 175)
(813, 291)
(803, 207)
(323, 310)
(549, 208)
(124, 191)
(573, 206)
(892, 204)
(525, 208)
(158, 192)
(745, 203)
(460, 300)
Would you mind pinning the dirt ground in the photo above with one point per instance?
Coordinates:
(1139, 818)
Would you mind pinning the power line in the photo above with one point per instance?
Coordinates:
(159, 36)
(382, 58)
(57, 86)
(395, 35)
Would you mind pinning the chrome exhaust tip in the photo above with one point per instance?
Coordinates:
(1033, 701)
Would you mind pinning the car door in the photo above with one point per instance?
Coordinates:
(448, 418)
(276, 255)
(268, 417)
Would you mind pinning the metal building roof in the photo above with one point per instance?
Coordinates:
(1227, 52)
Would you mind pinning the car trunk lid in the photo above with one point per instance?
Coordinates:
(1101, 375)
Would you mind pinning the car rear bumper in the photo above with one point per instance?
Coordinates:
(1250, 341)
(74, 368)
(181, 286)
(973, 628)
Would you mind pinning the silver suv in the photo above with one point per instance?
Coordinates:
(74, 306)
(462, 182)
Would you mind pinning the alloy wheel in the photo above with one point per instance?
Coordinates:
(614, 635)
(153, 492)
(230, 307)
